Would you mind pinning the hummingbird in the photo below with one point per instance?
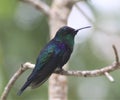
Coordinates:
(53, 56)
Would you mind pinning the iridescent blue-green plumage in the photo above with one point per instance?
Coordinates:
(54, 55)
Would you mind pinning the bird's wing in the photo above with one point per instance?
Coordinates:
(42, 60)
(44, 57)
(39, 73)
(44, 68)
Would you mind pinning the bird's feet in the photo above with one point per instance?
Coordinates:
(58, 70)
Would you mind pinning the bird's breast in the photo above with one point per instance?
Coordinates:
(63, 51)
(62, 46)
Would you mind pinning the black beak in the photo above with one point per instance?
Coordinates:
(82, 28)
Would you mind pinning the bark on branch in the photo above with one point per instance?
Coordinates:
(93, 73)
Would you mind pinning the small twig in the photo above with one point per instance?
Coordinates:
(93, 73)
(116, 54)
(40, 5)
(109, 76)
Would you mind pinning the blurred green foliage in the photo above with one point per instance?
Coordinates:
(18, 45)
(21, 40)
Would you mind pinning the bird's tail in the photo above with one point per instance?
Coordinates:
(27, 83)
(39, 82)
(35, 80)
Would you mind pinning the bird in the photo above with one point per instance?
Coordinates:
(54, 55)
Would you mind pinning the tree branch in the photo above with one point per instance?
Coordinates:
(98, 72)
(40, 5)
(11, 82)
(93, 73)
